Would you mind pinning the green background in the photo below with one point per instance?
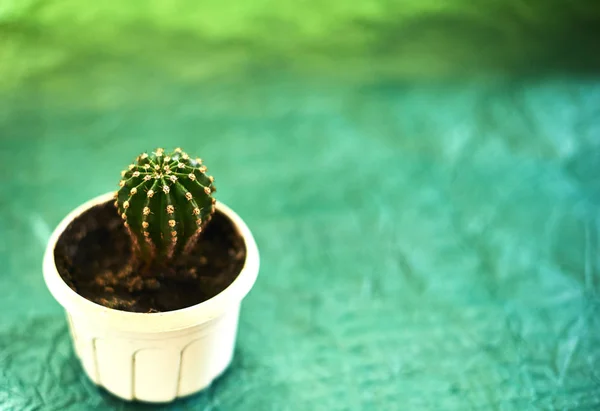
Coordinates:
(421, 178)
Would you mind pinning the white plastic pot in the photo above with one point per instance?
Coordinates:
(154, 357)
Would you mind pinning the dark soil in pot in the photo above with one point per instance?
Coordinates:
(93, 256)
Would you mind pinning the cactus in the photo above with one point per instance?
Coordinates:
(165, 200)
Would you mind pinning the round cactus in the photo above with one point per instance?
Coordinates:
(165, 200)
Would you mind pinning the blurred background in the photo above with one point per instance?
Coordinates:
(421, 177)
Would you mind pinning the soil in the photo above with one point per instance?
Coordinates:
(93, 256)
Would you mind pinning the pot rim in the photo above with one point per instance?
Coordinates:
(175, 320)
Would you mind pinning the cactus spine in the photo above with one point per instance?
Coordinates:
(165, 200)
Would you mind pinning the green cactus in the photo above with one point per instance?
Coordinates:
(165, 200)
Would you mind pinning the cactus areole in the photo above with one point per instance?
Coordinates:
(165, 200)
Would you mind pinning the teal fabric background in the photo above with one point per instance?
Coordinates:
(422, 183)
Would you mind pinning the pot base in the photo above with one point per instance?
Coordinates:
(152, 369)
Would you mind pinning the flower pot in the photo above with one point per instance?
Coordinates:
(154, 357)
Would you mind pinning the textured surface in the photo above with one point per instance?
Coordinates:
(442, 254)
